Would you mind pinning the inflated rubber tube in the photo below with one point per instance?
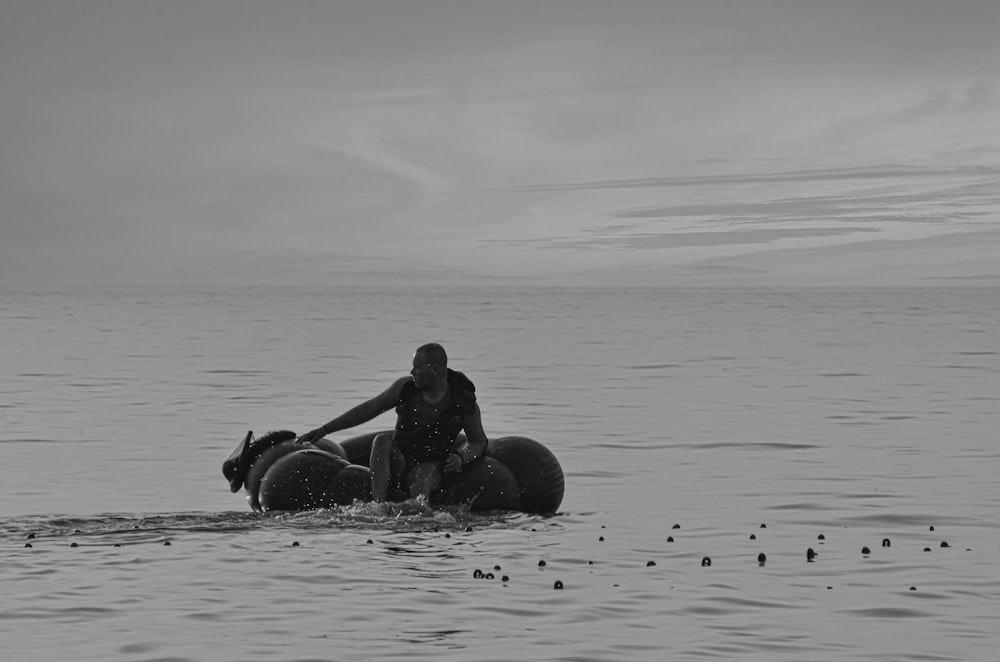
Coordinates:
(309, 479)
(538, 474)
(538, 484)
(260, 467)
(515, 473)
(485, 485)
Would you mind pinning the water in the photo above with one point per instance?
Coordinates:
(858, 414)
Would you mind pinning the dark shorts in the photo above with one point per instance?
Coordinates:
(418, 453)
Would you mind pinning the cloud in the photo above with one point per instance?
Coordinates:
(867, 173)
(652, 241)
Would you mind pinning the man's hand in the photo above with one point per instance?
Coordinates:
(312, 436)
(453, 464)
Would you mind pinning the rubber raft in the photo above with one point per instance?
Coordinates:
(515, 473)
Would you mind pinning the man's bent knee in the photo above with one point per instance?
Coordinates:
(382, 444)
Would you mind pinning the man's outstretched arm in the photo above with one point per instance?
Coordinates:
(362, 413)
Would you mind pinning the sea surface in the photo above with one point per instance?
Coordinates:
(693, 426)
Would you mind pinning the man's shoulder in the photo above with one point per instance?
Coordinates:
(463, 390)
(397, 389)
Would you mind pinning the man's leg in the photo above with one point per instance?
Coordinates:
(384, 460)
(424, 479)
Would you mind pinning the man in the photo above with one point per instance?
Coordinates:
(433, 406)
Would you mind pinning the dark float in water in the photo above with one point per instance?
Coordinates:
(515, 473)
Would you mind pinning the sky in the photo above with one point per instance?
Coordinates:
(448, 142)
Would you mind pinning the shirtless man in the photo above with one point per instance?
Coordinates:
(433, 406)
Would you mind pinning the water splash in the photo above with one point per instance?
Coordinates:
(407, 516)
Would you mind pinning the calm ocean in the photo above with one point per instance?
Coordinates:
(690, 423)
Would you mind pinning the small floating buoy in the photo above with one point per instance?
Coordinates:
(886, 542)
(488, 575)
(541, 564)
(762, 558)
(31, 536)
(73, 544)
(505, 579)
(944, 543)
(496, 567)
(763, 526)
(931, 528)
(28, 545)
(600, 539)
(468, 529)
(927, 549)
(913, 588)
(166, 543)
(670, 538)
(447, 535)
(295, 543)
(116, 545)
(477, 574)
(558, 585)
(821, 537)
(753, 536)
(676, 526)
(369, 542)
(865, 550)
(705, 562)
(650, 563)
(810, 554)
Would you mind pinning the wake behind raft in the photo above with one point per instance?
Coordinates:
(278, 473)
